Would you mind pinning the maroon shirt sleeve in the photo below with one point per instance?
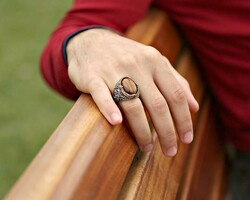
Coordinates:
(117, 15)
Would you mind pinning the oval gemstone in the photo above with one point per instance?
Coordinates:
(129, 86)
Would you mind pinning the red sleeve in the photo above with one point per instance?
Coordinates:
(117, 15)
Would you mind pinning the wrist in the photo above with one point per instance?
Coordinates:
(70, 37)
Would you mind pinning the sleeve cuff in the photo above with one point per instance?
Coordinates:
(67, 39)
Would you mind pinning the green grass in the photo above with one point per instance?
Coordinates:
(29, 110)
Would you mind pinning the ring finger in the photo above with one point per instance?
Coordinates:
(135, 114)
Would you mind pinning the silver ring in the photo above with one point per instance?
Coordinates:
(125, 89)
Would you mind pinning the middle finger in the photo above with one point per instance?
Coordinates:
(161, 117)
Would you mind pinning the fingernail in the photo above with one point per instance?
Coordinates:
(171, 151)
(188, 137)
(115, 118)
(148, 148)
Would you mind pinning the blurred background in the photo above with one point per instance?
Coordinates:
(29, 110)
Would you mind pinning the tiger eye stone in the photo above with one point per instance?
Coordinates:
(129, 86)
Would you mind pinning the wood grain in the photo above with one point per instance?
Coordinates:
(204, 176)
(83, 142)
(154, 176)
(87, 158)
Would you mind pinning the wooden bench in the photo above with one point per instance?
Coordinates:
(87, 158)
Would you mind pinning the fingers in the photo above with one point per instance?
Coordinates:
(161, 117)
(104, 101)
(136, 117)
(193, 104)
(133, 110)
(177, 101)
(163, 109)
(167, 106)
(99, 92)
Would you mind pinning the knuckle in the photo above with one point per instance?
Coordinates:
(185, 124)
(78, 83)
(151, 53)
(165, 61)
(168, 139)
(185, 83)
(159, 105)
(133, 108)
(131, 59)
(178, 95)
(144, 139)
(164, 68)
(93, 84)
(79, 87)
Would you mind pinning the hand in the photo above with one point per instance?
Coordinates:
(99, 58)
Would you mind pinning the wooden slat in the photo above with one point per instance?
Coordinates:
(145, 180)
(85, 153)
(154, 176)
(83, 139)
(87, 158)
(158, 31)
(204, 176)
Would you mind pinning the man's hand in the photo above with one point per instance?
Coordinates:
(99, 58)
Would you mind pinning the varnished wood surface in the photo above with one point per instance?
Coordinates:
(158, 31)
(87, 158)
(82, 151)
(204, 176)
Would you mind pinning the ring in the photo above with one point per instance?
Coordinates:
(125, 89)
